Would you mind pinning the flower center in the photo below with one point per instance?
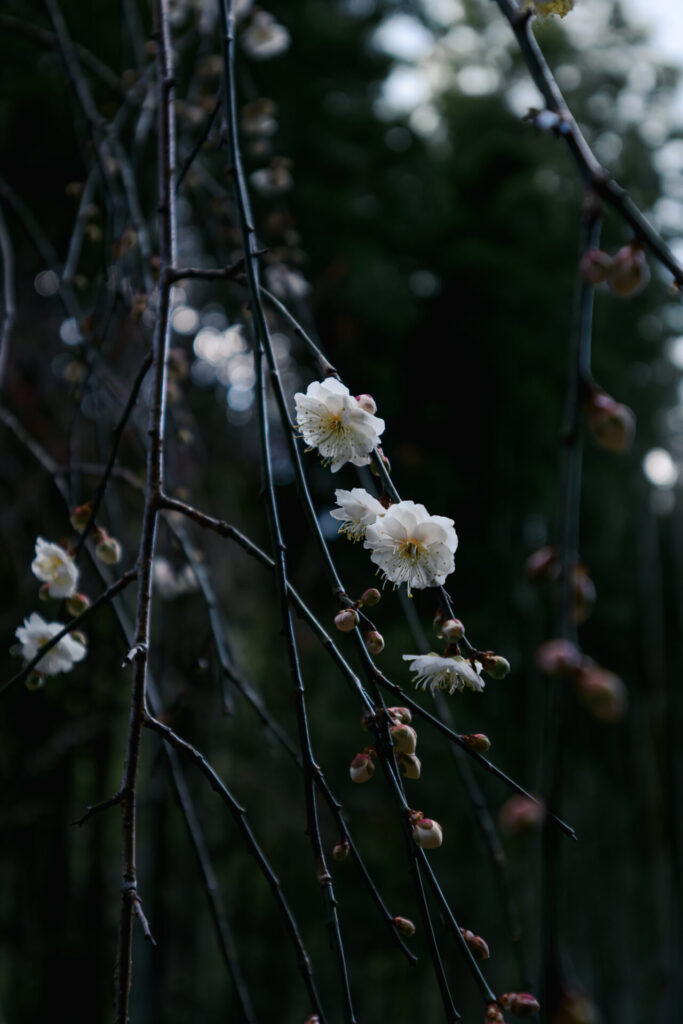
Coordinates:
(410, 549)
(42, 640)
(53, 563)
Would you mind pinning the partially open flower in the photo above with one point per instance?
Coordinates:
(522, 1004)
(404, 927)
(56, 568)
(521, 814)
(629, 273)
(357, 509)
(362, 768)
(427, 833)
(404, 738)
(409, 766)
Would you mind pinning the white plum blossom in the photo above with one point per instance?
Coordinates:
(55, 566)
(357, 510)
(331, 420)
(264, 37)
(61, 658)
(434, 672)
(412, 547)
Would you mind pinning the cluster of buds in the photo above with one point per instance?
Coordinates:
(625, 274)
(602, 692)
(522, 1004)
(348, 618)
(476, 945)
(612, 424)
(404, 741)
(427, 833)
(543, 567)
(521, 815)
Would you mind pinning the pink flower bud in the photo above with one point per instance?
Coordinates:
(77, 603)
(80, 517)
(522, 1004)
(107, 549)
(361, 768)
(629, 272)
(495, 665)
(341, 851)
(612, 424)
(452, 630)
(520, 815)
(541, 566)
(559, 659)
(346, 620)
(427, 833)
(370, 597)
(404, 927)
(595, 266)
(409, 765)
(603, 693)
(400, 716)
(478, 742)
(374, 642)
(477, 946)
(34, 680)
(404, 739)
(367, 402)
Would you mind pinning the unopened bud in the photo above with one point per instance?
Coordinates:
(404, 927)
(370, 597)
(629, 272)
(478, 742)
(559, 659)
(427, 833)
(34, 680)
(541, 566)
(494, 1014)
(409, 765)
(77, 603)
(361, 768)
(595, 266)
(522, 1004)
(346, 620)
(80, 517)
(400, 716)
(107, 549)
(477, 946)
(603, 693)
(495, 665)
(404, 739)
(368, 403)
(452, 630)
(612, 424)
(44, 592)
(341, 850)
(520, 815)
(583, 594)
(374, 642)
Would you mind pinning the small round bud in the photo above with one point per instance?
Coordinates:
(404, 927)
(404, 739)
(559, 659)
(346, 620)
(80, 517)
(368, 403)
(374, 642)
(34, 680)
(44, 592)
(361, 768)
(612, 424)
(493, 1015)
(77, 603)
(409, 765)
(520, 815)
(370, 597)
(107, 549)
(400, 716)
(452, 630)
(541, 566)
(629, 272)
(495, 665)
(427, 833)
(522, 1004)
(478, 742)
(595, 266)
(603, 693)
(477, 946)
(341, 850)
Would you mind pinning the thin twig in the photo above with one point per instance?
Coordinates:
(9, 311)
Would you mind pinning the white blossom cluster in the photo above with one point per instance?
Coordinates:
(58, 573)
